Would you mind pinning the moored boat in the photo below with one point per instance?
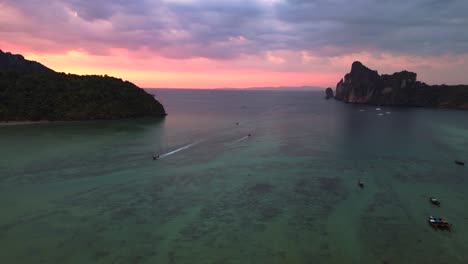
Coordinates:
(439, 223)
(361, 184)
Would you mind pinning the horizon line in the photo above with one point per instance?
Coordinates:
(243, 88)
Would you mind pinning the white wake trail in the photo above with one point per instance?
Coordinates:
(178, 150)
(244, 138)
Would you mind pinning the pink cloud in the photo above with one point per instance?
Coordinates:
(236, 43)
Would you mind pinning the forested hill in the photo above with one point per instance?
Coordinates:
(10, 62)
(48, 95)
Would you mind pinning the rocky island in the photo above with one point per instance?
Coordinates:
(329, 93)
(365, 86)
(29, 91)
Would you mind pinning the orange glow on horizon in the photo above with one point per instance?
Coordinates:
(281, 68)
(213, 44)
(194, 73)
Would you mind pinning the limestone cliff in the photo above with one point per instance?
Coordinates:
(329, 93)
(366, 86)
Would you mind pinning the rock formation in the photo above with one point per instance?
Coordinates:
(328, 93)
(366, 86)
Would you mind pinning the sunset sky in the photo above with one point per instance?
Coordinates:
(240, 43)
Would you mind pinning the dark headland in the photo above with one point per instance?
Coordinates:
(29, 91)
(365, 86)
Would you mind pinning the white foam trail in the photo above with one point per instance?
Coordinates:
(179, 149)
(244, 138)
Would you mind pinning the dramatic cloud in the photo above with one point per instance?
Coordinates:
(269, 35)
(227, 29)
(179, 29)
(415, 27)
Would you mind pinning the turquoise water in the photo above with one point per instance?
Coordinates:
(89, 192)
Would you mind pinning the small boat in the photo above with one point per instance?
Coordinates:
(361, 184)
(459, 162)
(156, 157)
(378, 109)
(434, 201)
(439, 223)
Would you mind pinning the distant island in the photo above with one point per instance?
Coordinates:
(29, 91)
(365, 86)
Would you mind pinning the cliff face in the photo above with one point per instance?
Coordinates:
(366, 86)
(30, 92)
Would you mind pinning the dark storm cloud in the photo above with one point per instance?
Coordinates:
(227, 29)
(418, 26)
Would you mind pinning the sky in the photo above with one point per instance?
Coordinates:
(240, 43)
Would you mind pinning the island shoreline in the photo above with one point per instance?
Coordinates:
(42, 122)
(22, 123)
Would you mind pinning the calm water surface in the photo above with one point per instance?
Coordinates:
(89, 192)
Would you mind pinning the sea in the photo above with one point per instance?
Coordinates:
(90, 191)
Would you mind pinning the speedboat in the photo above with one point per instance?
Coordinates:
(459, 162)
(434, 201)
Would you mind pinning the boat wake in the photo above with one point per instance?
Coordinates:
(241, 139)
(178, 150)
